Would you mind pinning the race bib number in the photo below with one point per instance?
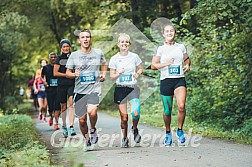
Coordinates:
(174, 70)
(41, 87)
(87, 78)
(125, 78)
(53, 82)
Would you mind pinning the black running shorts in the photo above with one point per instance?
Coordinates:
(168, 85)
(124, 93)
(64, 92)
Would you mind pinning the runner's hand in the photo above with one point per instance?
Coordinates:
(77, 72)
(186, 68)
(136, 75)
(121, 71)
(102, 78)
(170, 61)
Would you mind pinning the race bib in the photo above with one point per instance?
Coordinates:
(53, 82)
(87, 77)
(174, 70)
(125, 78)
(41, 87)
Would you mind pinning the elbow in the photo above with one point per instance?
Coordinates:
(153, 67)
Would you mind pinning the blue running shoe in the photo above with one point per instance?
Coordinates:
(72, 132)
(180, 136)
(168, 139)
(65, 132)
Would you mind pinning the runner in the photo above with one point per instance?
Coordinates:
(65, 87)
(126, 67)
(169, 58)
(51, 84)
(84, 66)
(39, 89)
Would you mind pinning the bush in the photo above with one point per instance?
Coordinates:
(19, 144)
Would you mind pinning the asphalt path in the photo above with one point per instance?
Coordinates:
(198, 151)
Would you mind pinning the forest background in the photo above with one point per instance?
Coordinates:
(217, 33)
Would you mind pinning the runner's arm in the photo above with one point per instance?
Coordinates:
(56, 72)
(113, 74)
(187, 63)
(70, 74)
(155, 65)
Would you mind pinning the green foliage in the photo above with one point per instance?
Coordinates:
(219, 83)
(16, 131)
(19, 144)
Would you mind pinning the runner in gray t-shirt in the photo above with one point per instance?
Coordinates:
(84, 65)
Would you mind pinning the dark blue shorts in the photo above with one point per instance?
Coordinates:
(41, 95)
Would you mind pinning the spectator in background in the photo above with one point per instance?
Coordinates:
(33, 95)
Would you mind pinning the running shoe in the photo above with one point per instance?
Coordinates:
(125, 142)
(137, 137)
(50, 122)
(87, 145)
(168, 139)
(44, 119)
(180, 136)
(40, 116)
(93, 136)
(72, 132)
(56, 127)
(65, 132)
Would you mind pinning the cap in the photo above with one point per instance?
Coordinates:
(63, 41)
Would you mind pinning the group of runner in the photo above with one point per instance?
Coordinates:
(76, 77)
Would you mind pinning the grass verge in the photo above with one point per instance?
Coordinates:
(19, 144)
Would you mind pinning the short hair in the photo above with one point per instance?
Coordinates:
(77, 32)
(52, 53)
(123, 35)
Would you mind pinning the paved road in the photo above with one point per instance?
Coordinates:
(150, 152)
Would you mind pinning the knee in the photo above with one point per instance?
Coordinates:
(124, 119)
(92, 115)
(135, 109)
(82, 121)
(181, 108)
